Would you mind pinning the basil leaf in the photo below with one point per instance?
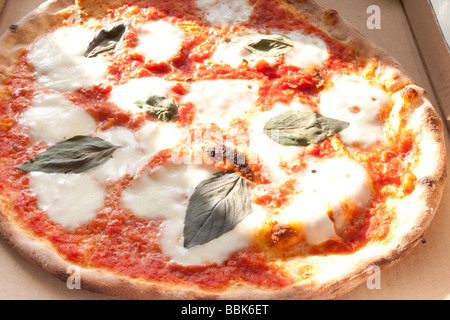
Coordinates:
(107, 39)
(76, 155)
(302, 128)
(216, 207)
(160, 108)
(266, 45)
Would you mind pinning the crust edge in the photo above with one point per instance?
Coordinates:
(28, 28)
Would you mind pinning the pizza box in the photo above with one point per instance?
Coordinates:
(408, 30)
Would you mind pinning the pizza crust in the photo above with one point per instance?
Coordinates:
(15, 41)
(382, 66)
(339, 274)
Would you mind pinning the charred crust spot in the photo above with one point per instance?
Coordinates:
(434, 121)
(427, 182)
(330, 16)
(409, 94)
(281, 232)
(319, 77)
(13, 27)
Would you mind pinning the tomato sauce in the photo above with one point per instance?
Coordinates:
(118, 240)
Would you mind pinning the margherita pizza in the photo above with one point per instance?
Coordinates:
(187, 149)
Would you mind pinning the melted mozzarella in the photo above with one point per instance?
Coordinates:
(355, 100)
(69, 199)
(226, 12)
(322, 188)
(59, 60)
(234, 54)
(51, 119)
(215, 251)
(269, 151)
(157, 136)
(135, 149)
(308, 51)
(218, 101)
(159, 41)
(165, 194)
(139, 90)
(126, 160)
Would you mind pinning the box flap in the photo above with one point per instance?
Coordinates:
(434, 50)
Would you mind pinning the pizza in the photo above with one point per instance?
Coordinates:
(208, 149)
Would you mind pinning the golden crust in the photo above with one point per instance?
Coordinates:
(338, 274)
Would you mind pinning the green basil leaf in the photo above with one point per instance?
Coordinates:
(76, 155)
(160, 108)
(107, 39)
(216, 207)
(266, 45)
(302, 128)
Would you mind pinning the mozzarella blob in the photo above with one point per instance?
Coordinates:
(68, 199)
(128, 96)
(60, 63)
(353, 99)
(321, 189)
(266, 149)
(159, 41)
(225, 12)
(307, 51)
(218, 101)
(234, 54)
(52, 118)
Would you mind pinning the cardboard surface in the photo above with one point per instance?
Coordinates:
(425, 273)
(434, 50)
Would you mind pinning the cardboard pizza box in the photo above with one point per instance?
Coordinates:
(409, 31)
